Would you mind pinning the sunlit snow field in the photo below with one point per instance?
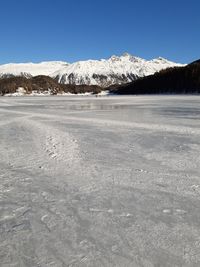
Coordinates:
(107, 181)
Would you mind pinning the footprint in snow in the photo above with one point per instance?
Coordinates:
(174, 212)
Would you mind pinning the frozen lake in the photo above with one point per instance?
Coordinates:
(108, 181)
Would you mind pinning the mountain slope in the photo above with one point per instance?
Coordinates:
(180, 80)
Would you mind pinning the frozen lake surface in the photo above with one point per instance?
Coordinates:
(108, 181)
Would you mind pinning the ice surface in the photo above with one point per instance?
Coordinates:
(107, 181)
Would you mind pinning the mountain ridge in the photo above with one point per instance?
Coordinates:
(105, 72)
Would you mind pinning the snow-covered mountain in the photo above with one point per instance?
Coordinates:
(31, 69)
(115, 70)
(105, 72)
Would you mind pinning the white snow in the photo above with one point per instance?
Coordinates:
(19, 92)
(31, 69)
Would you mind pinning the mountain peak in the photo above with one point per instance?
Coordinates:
(123, 56)
(126, 54)
(162, 59)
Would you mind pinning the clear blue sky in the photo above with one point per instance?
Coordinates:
(71, 30)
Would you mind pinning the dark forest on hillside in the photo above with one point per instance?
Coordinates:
(41, 84)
